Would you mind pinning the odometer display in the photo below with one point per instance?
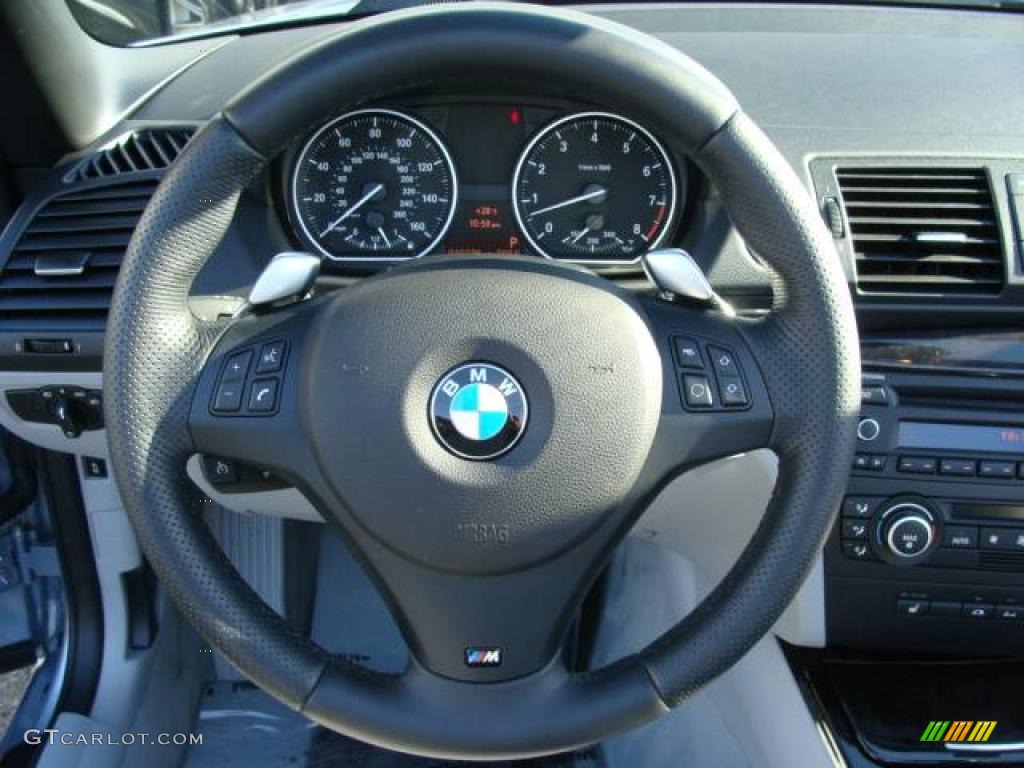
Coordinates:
(374, 185)
(594, 188)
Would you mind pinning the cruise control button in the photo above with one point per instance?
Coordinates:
(859, 506)
(960, 537)
(723, 361)
(263, 395)
(697, 392)
(688, 353)
(237, 366)
(855, 529)
(271, 357)
(731, 391)
(228, 397)
(977, 611)
(858, 550)
(220, 471)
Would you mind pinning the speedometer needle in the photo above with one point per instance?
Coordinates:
(590, 195)
(374, 190)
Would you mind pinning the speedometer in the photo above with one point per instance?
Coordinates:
(594, 188)
(374, 185)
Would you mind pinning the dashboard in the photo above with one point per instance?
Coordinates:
(888, 96)
(561, 181)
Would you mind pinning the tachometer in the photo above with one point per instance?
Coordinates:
(594, 188)
(374, 185)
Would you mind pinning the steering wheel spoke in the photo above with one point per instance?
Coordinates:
(715, 403)
(246, 401)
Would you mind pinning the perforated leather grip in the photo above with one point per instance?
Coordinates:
(154, 350)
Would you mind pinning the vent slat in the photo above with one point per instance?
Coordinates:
(98, 259)
(89, 228)
(127, 190)
(959, 205)
(90, 280)
(75, 242)
(58, 301)
(923, 221)
(82, 224)
(931, 258)
(147, 149)
(923, 230)
(61, 209)
(866, 238)
(921, 279)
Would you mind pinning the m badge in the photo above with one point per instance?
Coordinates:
(483, 657)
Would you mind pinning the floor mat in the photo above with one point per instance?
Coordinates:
(333, 749)
(12, 688)
(242, 727)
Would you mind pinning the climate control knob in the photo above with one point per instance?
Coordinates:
(906, 532)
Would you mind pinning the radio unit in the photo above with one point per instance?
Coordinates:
(928, 549)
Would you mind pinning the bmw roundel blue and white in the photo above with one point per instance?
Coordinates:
(478, 411)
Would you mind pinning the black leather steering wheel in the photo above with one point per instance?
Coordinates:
(482, 562)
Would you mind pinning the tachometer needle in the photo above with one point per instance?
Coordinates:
(373, 191)
(589, 195)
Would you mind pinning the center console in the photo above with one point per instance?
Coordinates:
(928, 553)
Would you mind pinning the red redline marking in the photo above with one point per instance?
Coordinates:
(657, 223)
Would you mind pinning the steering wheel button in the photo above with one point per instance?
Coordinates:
(237, 366)
(228, 397)
(731, 391)
(723, 361)
(263, 395)
(271, 357)
(688, 353)
(220, 471)
(697, 392)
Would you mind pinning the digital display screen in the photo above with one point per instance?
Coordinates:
(483, 226)
(972, 511)
(960, 437)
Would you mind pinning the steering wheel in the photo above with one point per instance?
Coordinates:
(482, 549)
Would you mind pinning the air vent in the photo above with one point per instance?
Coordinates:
(65, 263)
(923, 230)
(149, 149)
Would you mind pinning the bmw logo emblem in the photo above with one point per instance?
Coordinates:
(478, 411)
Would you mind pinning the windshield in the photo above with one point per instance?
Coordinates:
(135, 22)
(128, 22)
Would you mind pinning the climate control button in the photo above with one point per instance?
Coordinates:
(906, 531)
(909, 536)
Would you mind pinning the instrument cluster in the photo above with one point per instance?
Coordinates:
(386, 184)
